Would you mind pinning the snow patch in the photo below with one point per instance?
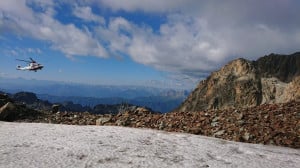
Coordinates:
(52, 145)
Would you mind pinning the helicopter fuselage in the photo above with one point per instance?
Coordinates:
(31, 67)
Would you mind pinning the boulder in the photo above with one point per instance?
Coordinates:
(55, 108)
(8, 112)
(103, 120)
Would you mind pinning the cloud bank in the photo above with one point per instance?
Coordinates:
(195, 38)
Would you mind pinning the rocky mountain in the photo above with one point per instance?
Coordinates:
(70, 106)
(31, 100)
(242, 83)
(283, 67)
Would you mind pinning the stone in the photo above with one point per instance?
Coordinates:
(8, 112)
(215, 119)
(240, 116)
(195, 130)
(55, 108)
(120, 123)
(214, 124)
(246, 136)
(162, 125)
(103, 120)
(219, 133)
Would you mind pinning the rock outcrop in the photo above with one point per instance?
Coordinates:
(116, 108)
(30, 100)
(283, 67)
(4, 98)
(243, 83)
(25, 97)
(70, 106)
(10, 111)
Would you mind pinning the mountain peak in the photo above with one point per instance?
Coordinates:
(244, 83)
(283, 67)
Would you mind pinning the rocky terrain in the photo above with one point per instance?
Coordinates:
(243, 83)
(10, 110)
(274, 124)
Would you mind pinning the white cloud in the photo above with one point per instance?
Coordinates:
(16, 9)
(71, 40)
(14, 52)
(34, 50)
(67, 38)
(199, 36)
(87, 14)
(145, 5)
(196, 37)
(178, 47)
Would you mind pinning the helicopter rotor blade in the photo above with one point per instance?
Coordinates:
(32, 60)
(23, 60)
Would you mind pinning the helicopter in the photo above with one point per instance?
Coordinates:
(32, 66)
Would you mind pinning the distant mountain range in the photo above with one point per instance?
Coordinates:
(158, 99)
(157, 103)
(26, 105)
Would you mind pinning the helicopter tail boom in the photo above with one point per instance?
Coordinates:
(21, 68)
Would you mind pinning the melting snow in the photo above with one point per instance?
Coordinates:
(50, 145)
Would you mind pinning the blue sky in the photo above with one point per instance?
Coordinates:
(171, 43)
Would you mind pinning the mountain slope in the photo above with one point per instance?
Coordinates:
(243, 83)
(283, 67)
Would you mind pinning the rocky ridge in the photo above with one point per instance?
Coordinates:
(243, 83)
(272, 124)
